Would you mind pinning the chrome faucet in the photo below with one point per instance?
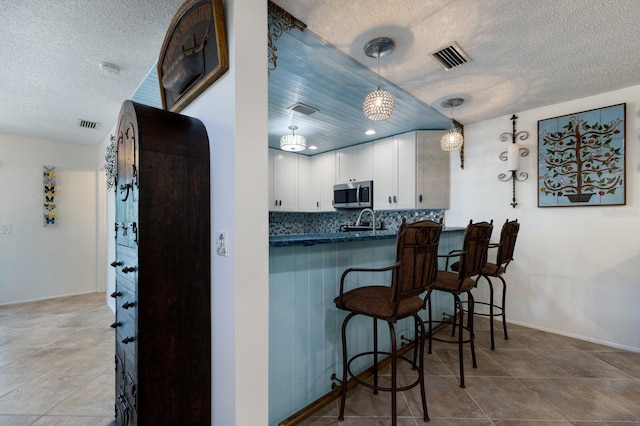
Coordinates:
(373, 218)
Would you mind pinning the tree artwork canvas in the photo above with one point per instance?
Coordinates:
(581, 158)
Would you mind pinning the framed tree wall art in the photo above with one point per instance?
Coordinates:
(581, 159)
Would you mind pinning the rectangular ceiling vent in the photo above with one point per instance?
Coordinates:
(303, 109)
(86, 124)
(451, 56)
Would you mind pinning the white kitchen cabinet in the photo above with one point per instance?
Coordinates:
(432, 171)
(283, 181)
(394, 172)
(303, 182)
(322, 173)
(354, 163)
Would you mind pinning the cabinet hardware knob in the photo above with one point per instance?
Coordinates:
(116, 294)
(395, 200)
(127, 340)
(116, 263)
(389, 199)
(128, 269)
(127, 305)
(116, 324)
(420, 198)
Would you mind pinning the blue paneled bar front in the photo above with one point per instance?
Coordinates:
(304, 324)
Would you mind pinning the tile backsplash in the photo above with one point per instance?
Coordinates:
(329, 222)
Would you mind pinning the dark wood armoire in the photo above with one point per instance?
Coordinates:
(163, 269)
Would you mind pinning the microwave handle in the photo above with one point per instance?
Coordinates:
(358, 195)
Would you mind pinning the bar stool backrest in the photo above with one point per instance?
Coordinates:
(508, 237)
(474, 249)
(417, 254)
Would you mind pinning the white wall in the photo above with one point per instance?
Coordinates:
(576, 269)
(38, 262)
(106, 230)
(234, 111)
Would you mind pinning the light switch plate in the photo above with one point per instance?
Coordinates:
(222, 245)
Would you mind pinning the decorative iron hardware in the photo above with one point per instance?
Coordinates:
(127, 305)
(127, 187)
(514, 175)
(134, 228)
(279, 20)
(116, 294)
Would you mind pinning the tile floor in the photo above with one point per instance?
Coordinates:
(56, 362)
(56, 369)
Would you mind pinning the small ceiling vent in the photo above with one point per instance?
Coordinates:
(451, 56)
(86, 124)
(302, 109)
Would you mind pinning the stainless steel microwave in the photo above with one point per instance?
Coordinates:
(353, 195)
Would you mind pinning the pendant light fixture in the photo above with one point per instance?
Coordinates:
(379, 104)
(293, 142)
(452, 140)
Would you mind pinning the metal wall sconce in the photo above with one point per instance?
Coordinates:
(512, 157)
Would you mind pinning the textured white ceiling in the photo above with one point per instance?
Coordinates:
(49, 56)
(525, 53)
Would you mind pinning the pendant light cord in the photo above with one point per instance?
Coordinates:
(378, 55)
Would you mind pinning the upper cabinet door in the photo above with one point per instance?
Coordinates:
(283, 189)
(406, 162)
(322, 172)
(433, 171)
(385, 174)
(395, 172)
(354, 163)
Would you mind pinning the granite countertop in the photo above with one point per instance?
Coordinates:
(338, 237)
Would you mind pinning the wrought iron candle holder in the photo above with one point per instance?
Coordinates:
(512, 157)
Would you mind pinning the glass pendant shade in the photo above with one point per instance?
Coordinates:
(293, 142)
(452, 140)
(378, 105)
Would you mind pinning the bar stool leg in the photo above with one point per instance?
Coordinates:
(343, 392)
(394, 379)
(472, 337)
(493, 346)
(504, 314)
(375, 355)
(458, 302)
(430, 321)
(423, 393)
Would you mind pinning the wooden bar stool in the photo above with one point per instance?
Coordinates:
(411, 275)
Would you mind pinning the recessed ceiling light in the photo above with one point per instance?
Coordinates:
(313, 147)
(370, 132)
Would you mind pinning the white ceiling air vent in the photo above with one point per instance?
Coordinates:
(451, 56)
(302, 108)
(86, 124)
